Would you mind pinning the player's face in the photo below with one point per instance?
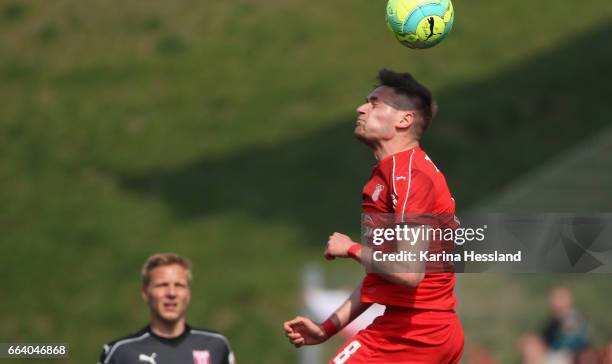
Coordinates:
(378, 117)
(168, 293)
(561, 302)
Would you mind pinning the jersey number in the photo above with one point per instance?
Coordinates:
(347, 352)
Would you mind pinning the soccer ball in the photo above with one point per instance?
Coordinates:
(420, 23)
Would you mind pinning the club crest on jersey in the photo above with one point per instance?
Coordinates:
(377, 191)
(201, 357)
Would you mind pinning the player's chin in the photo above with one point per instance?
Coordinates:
(171, 316)
(360, 133)
(361, 136)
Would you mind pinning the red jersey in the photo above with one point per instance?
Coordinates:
(409, 183)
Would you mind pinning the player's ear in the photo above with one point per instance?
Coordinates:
(407, 121)
(144, 295)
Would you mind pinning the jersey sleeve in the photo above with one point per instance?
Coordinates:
(104, 355)
(229, 355)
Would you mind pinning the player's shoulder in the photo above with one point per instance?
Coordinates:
(421, 160)
(110, 348)
(140, 334)
(209, 335)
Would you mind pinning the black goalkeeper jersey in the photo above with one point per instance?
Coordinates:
(193, 346)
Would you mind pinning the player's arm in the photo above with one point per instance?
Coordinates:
(303, 331)
(348, 311)
(408, 274)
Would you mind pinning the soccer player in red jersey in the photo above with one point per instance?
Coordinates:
(419, 325)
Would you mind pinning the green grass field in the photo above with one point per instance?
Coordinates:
(223, 131)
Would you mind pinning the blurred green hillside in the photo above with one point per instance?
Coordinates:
(223, 131)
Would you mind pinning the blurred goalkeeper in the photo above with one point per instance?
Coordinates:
(166, 289)
(419, 324)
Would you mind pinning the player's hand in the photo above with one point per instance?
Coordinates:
(303, 331)
(338, 246)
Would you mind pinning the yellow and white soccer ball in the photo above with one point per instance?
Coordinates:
(420, 23)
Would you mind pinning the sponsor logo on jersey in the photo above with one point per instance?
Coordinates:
(148, 358)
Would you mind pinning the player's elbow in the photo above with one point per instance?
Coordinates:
(411, 280)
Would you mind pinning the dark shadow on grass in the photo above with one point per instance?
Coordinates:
(488, 133)
(314, 181)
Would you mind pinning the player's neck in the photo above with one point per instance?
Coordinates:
(383, 150)
(167, 329)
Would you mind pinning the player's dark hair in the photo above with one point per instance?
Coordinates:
(419, 95)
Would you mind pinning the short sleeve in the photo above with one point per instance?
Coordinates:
(104, 355)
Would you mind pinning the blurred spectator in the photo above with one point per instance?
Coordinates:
(563, 340)
(533, 350)
(566, 330)
(564, 337)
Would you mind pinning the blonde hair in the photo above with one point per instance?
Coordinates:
(163, 259)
